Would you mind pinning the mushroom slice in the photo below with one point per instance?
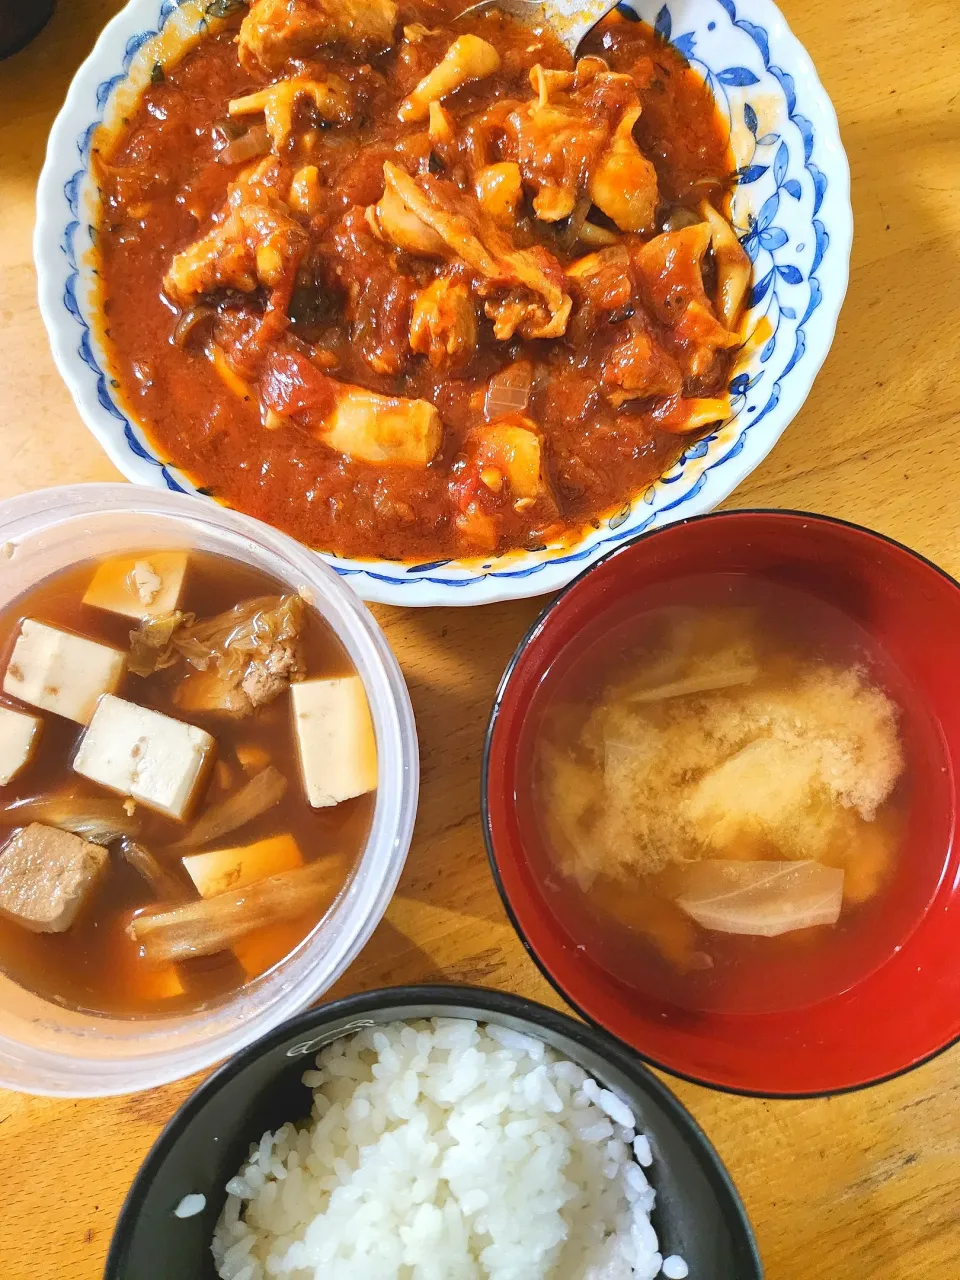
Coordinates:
(733, 266)
(330, 98)
(468, 58)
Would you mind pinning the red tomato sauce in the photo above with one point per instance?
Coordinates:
(252, 426)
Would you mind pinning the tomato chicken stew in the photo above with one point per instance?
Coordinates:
(409, 286)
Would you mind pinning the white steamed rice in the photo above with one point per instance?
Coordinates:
(446, 1150)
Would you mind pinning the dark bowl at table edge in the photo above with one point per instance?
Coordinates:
(673, 1125)
(528, 635)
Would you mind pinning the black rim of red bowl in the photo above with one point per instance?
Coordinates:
(532, 631)
(495, 1003)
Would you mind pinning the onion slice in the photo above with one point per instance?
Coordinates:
(194, 323)
(210, 925)
(99, 821)
(261, 793)
(255, 142)
(163, 882)
(707, 683)
(508, 392)
(763, 899)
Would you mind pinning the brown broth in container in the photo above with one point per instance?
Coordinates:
(94, 966)
(728, 753)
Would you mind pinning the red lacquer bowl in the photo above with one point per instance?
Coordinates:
(895, 1017)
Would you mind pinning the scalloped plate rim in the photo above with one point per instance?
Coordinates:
(387, 581)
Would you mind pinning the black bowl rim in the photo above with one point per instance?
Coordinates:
(532, 631)
(489, 1001)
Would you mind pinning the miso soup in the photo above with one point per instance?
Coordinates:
(726, 787)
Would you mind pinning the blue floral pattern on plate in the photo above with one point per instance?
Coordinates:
(791, 210)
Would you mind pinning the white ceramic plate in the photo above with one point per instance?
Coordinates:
(792, 210)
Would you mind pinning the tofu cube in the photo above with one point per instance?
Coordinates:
(144, 754)
(19, 736)
(139, 586)
(266, 947)
(158, 983)
(252, 757)
(222, 869)
(46, 875)
(62, 672)
(205, 693)
(335, 738)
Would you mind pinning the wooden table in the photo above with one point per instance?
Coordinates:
(868, 1187)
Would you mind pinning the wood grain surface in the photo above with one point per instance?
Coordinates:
(860, 1186)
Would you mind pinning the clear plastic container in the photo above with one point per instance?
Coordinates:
(46, 1049)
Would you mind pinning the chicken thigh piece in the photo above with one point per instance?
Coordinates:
(274, 31)
(524, 287)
